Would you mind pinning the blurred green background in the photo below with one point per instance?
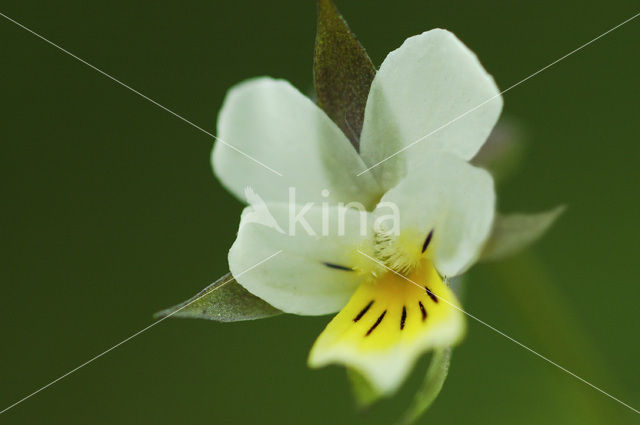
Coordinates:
(110, 212)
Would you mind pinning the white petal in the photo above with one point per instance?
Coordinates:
(272, 122)
(306, 277)
(455, 200)
(420, 93)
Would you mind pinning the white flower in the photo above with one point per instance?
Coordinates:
(387, 286)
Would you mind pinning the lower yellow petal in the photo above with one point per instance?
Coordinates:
(388, 323)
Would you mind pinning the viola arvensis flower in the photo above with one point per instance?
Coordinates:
(364, 203)
(426, 212)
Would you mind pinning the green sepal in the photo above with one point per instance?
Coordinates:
(513, 232)
(342, 71)
(363, 392)
(225, 300)
(431, 386)
(503, 151)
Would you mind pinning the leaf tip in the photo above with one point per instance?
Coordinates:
(342, 70)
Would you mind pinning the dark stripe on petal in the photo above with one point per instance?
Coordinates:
(403, 318)
(431, 295)
(423, 311)
(375, 325)
(338, 267)
(425, 245)
(363, 311)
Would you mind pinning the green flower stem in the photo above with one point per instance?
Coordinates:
(524, 281)
(428, 392)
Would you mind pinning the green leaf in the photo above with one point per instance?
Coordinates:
(364, 393)
(225, 300)
(433, 382)
(343, 72)
(514, 232)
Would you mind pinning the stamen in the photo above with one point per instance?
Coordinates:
(427, 241)
(431, 294)
(403, 318)
(423, 311)
(395, 252)
(363, 311)
(338, 267)
(375, 325)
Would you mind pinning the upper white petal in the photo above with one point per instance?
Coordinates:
(454, 199)
(430, 94)
(298, 279)
(272, 122)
